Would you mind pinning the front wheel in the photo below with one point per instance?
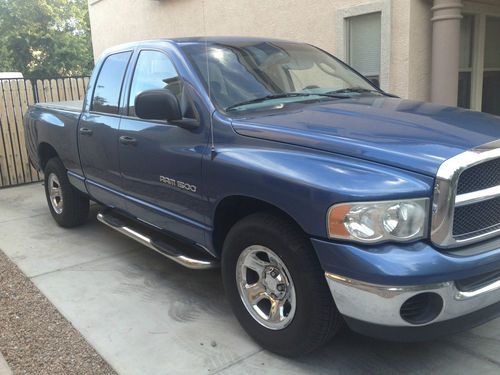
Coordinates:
(276, 286)
(68, 206)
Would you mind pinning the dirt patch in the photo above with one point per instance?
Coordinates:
(34, 337)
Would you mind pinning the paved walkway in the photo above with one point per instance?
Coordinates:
(147, 315)
(35, 338)
(4, 367)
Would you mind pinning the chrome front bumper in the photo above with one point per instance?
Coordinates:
(381, 304)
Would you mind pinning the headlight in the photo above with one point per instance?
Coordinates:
(369, 222)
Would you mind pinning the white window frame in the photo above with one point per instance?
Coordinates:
(384, 8)
(480, 12)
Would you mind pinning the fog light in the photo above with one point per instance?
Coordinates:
(422, 308)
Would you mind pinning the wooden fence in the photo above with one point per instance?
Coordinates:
(15, 97)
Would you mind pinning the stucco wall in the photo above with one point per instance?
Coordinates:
(400, 37)
(420, 50)
(119, 21)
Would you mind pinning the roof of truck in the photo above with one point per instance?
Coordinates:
(199, 40)
(224, 39)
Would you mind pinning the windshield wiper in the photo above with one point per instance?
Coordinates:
(281, 96)
(353, 90)
(267, 97)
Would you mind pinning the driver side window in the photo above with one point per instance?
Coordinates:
(154, 70)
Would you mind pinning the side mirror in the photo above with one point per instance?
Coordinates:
(158, 104)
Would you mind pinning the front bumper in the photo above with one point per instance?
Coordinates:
(426, 332)
(381, 305)
(371, 287)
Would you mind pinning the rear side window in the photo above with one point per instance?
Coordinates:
(109, 83)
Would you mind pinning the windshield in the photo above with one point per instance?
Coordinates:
(246, 76)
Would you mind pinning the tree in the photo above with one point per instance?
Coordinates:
(45, 38)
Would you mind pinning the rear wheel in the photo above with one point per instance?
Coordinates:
(276, 286)
(68, 206)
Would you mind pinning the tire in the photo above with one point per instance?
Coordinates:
(68, 206)
(298, 328)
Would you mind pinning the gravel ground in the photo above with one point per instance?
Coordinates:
(34, 337)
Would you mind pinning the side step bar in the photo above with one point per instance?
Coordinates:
(162, 244)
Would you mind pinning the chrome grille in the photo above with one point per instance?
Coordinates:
(479, 177)
(466, 202)
(473, 219)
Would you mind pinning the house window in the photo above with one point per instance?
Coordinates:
(491, 74)
(465, 74)
(364, 44)
(479, 77)
(364, 40)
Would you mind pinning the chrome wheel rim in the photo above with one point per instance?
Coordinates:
(55, 193)
(265, 287)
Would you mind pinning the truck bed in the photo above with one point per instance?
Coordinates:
(71, 105)
(47, 122)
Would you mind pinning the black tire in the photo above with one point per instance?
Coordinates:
(316, 318)
(75, 206)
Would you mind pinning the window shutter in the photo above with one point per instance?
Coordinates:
(466, 40)
(364, 43)
(492, 47)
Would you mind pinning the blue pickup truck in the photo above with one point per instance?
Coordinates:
(323, 199)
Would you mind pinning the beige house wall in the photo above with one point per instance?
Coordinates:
(420, 50)
(120, 21)
(408, 43)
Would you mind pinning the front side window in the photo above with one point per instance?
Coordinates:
(109, 83)
(253, 75)
(153, 70)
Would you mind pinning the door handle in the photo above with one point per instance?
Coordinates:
(86, 131)
(125, 140)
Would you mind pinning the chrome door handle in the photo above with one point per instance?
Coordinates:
(86, 131)
(125, 140)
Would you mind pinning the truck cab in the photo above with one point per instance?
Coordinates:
(324, 200)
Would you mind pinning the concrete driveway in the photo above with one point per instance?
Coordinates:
(146, 315)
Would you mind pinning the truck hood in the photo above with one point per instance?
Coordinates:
(406, 134)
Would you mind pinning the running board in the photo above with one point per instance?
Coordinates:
(162, 244)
